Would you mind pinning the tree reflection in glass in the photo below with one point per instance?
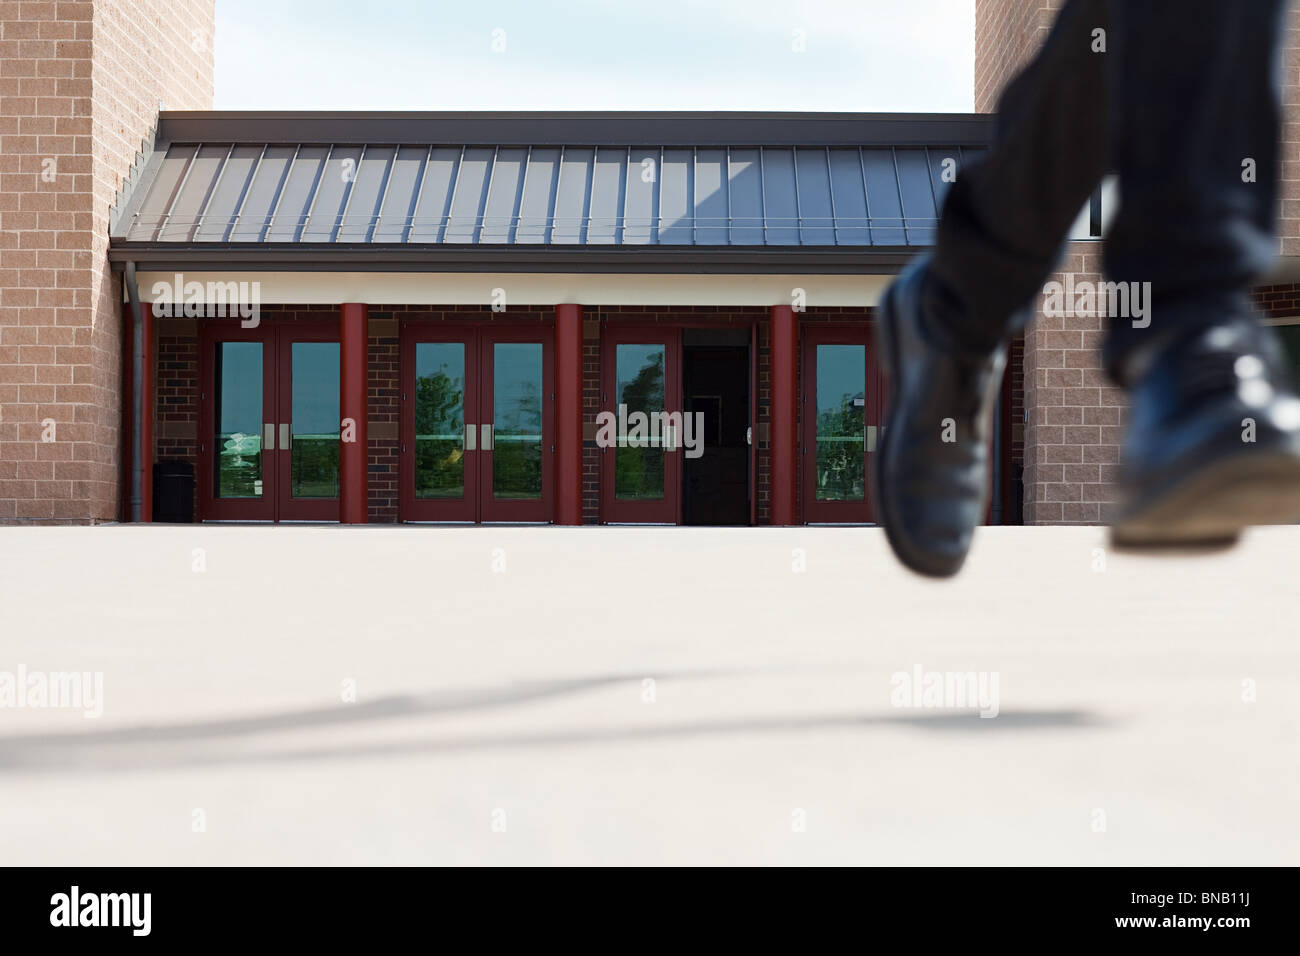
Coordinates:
(841, 418)
(439, 420)
(639, 472)
(517, 420)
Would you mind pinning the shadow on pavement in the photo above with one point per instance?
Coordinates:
(235, 740)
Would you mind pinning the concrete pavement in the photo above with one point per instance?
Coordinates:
(606, 695)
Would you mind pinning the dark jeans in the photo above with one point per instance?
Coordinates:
(1185, 91)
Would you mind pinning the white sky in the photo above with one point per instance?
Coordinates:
(871, 55)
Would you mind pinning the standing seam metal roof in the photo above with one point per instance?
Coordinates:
(385, 193)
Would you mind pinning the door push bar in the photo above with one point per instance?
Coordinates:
(268, 436)
(480, 433)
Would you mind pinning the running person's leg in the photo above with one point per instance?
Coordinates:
(1188, 93)
(1007, 216)
(1214, 437)
(943, 325)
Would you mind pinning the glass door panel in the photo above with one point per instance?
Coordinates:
(517, 421)
(477, 410)
(440, 459)
(439, 447)
(515, 441)
(308, 427)
(639, 393)
(314, 421)
(238, 412)
(641, 469)
(839, 422)
(237, 477)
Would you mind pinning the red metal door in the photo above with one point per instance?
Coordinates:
(307, 429)
(840, 423)
(439, 458)
(641, 461)
(516, 402)
(478, 419)
(237, 477)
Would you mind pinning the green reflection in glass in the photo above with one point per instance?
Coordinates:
(314, 451)
(440, 420)
(841, 393)
(639, 472)
(237, 464)
(517, 420)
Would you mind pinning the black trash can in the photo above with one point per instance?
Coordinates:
(173, 492)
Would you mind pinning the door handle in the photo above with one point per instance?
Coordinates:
(470, 432)
(268, 436)
(869, 438)
(286, 440)
(749, 435)
(486, 443)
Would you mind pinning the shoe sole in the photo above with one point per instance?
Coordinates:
(1211, 507)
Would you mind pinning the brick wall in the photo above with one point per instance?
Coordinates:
(79, 88)
(383, 414)
(176, 390)
(1075, 417)
(1007, 33)
(1277, 301)
(1289, 172)
(591, 406)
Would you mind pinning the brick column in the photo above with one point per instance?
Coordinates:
(68, 145)
(568, 414)
(785, 348)
(1074, 416)
(353, 342)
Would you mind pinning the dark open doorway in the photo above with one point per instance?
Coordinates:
(715, 382)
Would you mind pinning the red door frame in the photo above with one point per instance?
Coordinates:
(667, 510)
(477, 505)
(410, 508)
(492, 510)
(289, 508)
(832, 512)
(211, 508)
(277, 407)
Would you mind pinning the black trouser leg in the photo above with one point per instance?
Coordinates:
(1196, 128)
(1007, 215)
(1185, 93)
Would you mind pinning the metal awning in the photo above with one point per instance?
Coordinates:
(201, 198)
